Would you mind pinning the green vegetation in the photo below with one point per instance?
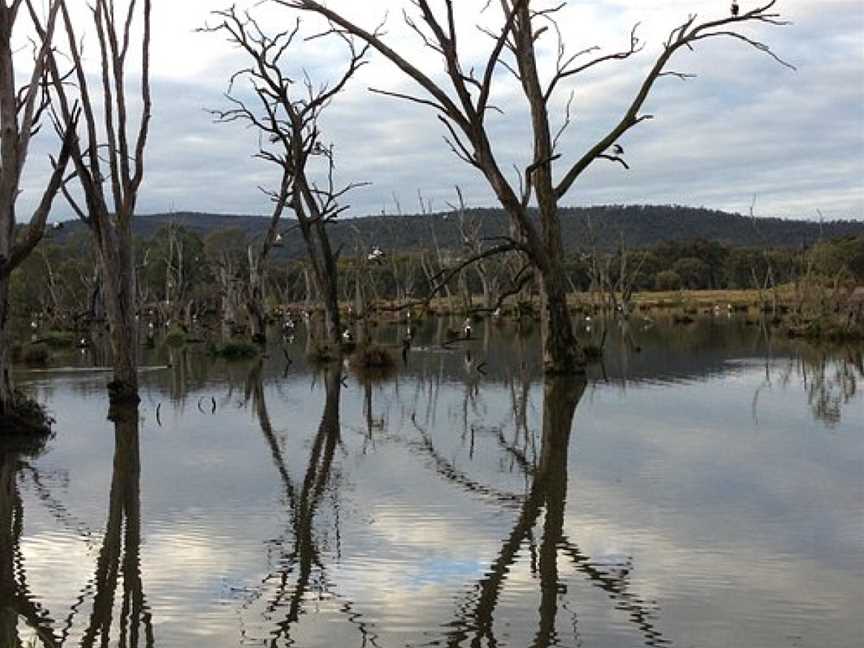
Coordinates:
(234, 350)
(372, 356)
(186, 281)
(58, 339)
(176, 337)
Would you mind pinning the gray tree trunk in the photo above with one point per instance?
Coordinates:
(6, 393)
(117, 258)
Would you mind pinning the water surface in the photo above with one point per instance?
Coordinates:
(704, 488)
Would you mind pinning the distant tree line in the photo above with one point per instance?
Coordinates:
(183, 275)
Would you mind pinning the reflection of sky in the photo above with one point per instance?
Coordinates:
(742, 530)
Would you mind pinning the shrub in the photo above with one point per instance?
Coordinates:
(372, 356)
(176, 337)
(234, 350)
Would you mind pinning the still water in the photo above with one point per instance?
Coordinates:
(705, 488)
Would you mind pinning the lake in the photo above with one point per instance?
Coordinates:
(703, 488)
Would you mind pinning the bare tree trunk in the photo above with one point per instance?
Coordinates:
(561, 351)
(110, 172)
(255, 299)
(326, 275)
(117, 258)
(7, 396)
(20, 112)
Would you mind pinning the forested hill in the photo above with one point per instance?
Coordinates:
(637, 225)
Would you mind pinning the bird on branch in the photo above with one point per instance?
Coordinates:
(735, 8)
(617, 150)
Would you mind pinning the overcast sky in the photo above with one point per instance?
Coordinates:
(745, 126)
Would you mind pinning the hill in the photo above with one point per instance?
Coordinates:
(636, 225)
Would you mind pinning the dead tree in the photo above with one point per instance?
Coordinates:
(286, 112)
(226, 254)
(464, 104)
(21, 110)
(110, 195)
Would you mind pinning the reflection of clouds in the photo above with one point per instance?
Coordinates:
(739, 531)
(704, 454)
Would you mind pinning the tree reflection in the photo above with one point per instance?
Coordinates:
(118, 559)
(16, 603)
(120, 554)
(831, 383)
(302, 569)
(473, 624)
(829, 379)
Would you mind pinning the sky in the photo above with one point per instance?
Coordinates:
(744, 128)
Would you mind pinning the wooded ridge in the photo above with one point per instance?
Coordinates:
(638, 226)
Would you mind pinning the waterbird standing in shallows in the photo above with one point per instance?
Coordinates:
(467, 328)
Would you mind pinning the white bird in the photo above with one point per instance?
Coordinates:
(587, 318)
(346, 335)
(289, 324)
(57, 226)
(467, 327)
(277, 240)
(34, 325)
(376, 255)
(497, 313)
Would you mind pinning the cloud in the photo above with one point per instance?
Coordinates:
(744, 126)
